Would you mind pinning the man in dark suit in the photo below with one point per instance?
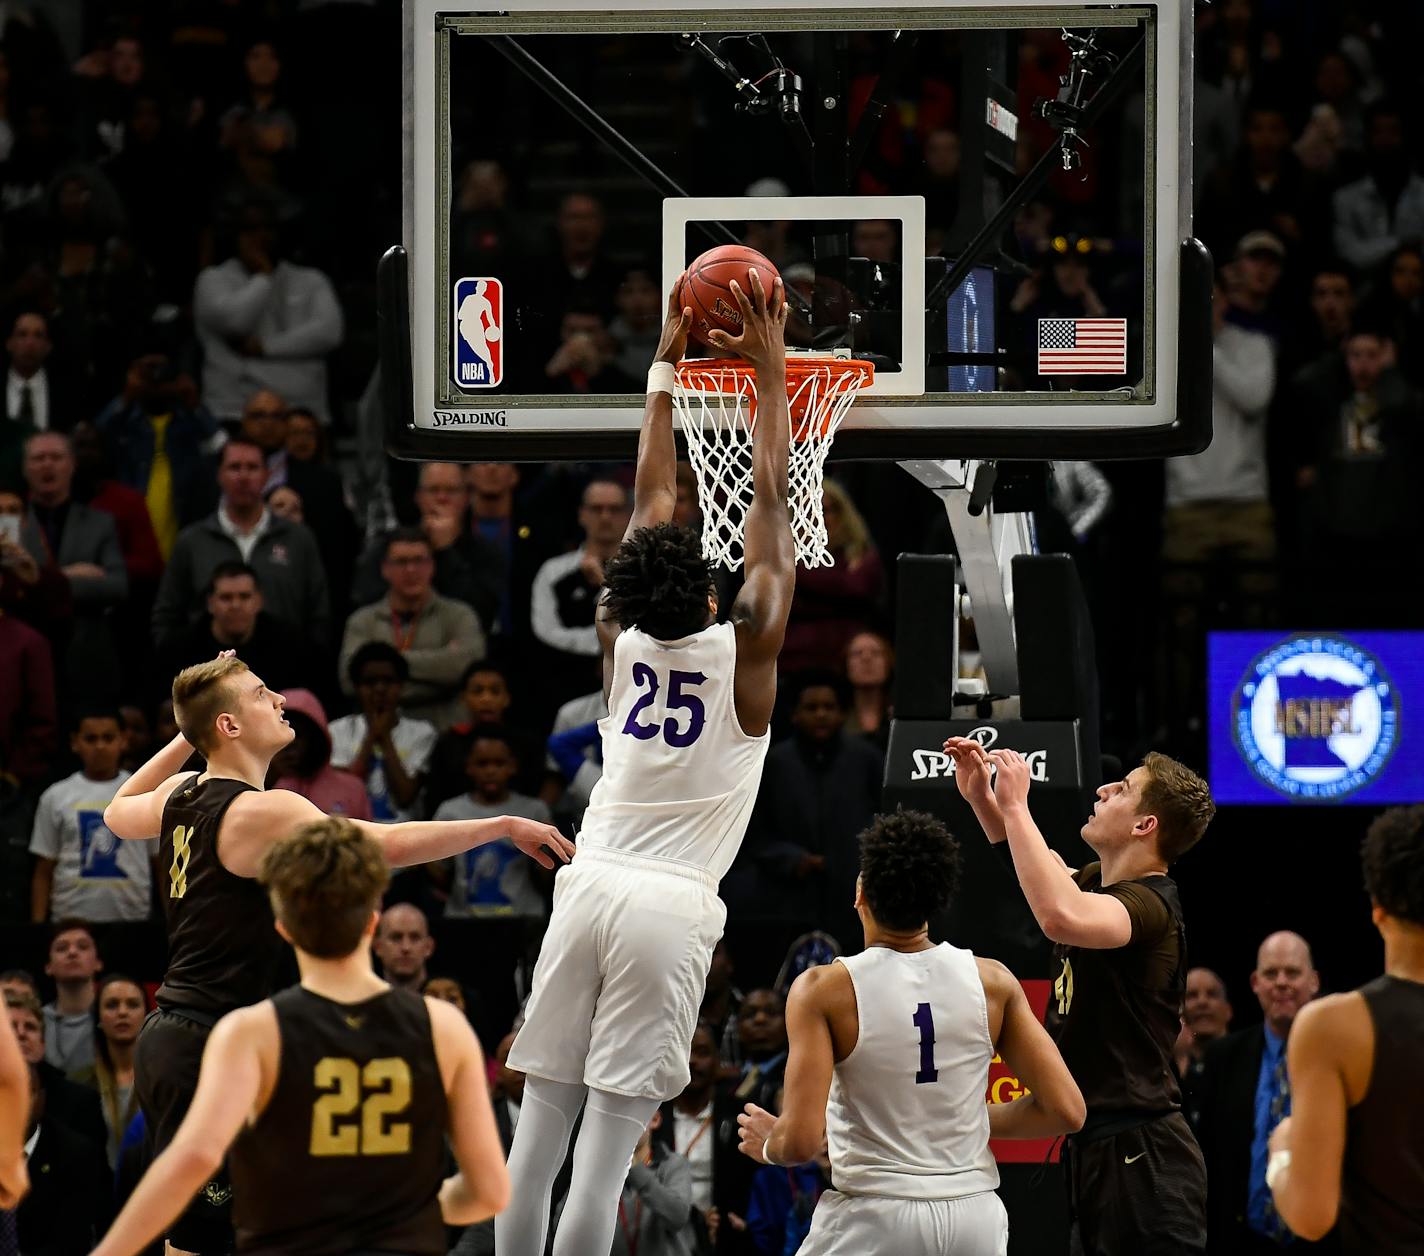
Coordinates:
(67, 1103)
(1244, 1093)
(71, 1192)
(33, 397)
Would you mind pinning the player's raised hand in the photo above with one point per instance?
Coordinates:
(972, 771)
(763, 338)
(672, 345)
(754, 1125)
(1012, 779)
(532, 837)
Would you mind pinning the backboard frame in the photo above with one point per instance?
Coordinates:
(1168, 413)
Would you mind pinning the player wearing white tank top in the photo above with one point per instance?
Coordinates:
(624, 961)
(889, 1057)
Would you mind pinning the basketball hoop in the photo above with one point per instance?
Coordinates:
(716, 401)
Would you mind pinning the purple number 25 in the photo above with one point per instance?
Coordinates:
(678, 699)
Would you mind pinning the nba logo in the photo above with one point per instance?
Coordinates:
(478, 333)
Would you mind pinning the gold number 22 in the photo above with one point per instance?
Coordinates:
(386, 1086)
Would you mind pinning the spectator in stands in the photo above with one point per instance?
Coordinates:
(486, 696)
(721, 1002)
(28, 718)
(819, 789)
(487, 237)
(264, 323)
(1395, 308)
(237, 620)
(437, 636)
(446, 989)
(304, 764)
(701, 1126)
(22, 1007)
(578, 275)
(324, 508)
(157, 435)
(782, 1201)
(1359, 481)
(566, 590)
(585, 360)
(283, 554)
(443, 500)
(264, 423)
(1323, 329)
(95, 487)
(84, 545)
(286, 503)
(1206, 1018)
(404, 946)
(655, 1207)
(520, 534)
(82, 871)
(1336, 86)
(761, 1042)
(34, 398)
(1376, 213)
(107, 79)
(259, 132)
(638, 323)
(833, 603)
(119, 1009)
(493, 880)
(869, 668)
(574, 763)
(1218, 505)
(38, 595)
(1244, 1093)
(380, 744)
(73, 965)
(1254, 281)
(138, 737)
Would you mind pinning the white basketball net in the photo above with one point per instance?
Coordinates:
(716, 405)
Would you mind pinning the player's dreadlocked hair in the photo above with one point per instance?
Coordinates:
(909, 868)
(1394, 862)
(658, 582)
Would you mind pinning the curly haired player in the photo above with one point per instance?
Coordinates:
(636, 916)
(899, 1040)
(1352, 1149)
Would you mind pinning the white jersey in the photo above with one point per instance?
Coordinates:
(907, 1116)
(680, 777)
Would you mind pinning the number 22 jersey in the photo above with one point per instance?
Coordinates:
(680, 776)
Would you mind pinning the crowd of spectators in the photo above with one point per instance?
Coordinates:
(188, 328)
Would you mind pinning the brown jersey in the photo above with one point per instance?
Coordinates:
(349, 1153)
(1115, 1014)
(1382, 1186)
(223, 952)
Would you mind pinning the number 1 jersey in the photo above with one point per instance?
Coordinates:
(680, 776)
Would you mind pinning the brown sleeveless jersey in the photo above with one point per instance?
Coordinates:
(1382, 1184)
(223, 951)
(1115, 1014)
(349, 1153)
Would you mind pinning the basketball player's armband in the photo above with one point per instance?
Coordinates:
(660, 377)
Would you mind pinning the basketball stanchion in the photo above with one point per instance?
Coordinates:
(716, 400)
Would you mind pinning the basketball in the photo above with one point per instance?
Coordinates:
(707, 288)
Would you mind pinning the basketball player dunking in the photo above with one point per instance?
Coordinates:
(1136, 1179)
(636, 916)
(899, 1039)
(1352, 1149)
(337, 1095)
(213, 828)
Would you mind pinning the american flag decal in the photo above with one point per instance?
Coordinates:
(1082, 346)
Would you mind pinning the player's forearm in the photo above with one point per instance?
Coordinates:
(1046, 883)
(1310, 1210)
(423, 841)
(461, 1205)
(129, 813)
(1026, 1117)
(794, 1141)
(771, 443)
(991, 820)
(655, 480)
(159, 1198)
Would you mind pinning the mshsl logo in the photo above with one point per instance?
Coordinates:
(1316, 717)
(477, 351)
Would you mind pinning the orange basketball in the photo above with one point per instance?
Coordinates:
(706, 288)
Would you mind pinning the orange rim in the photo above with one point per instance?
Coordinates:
(733, 377)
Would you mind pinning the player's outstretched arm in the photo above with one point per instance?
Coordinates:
(480, 1188)
(1064, 912)
(797, 1134)
(14, 1119)
(764, 603)
(974, 779)
(655, 481)
(1306, 1182)
(1054, 1104)
(229, 1086)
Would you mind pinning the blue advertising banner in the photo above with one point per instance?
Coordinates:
(1320, 717)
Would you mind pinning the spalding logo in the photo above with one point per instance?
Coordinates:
(1315, 718)
(930, 765)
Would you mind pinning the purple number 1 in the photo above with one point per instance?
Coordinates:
(924, 1022)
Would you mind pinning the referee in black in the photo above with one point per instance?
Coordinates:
(1136, 1179)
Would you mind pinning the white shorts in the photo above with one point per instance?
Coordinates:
(854, 1225)
(621, 974)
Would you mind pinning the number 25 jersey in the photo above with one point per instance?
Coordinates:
(680, 777)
